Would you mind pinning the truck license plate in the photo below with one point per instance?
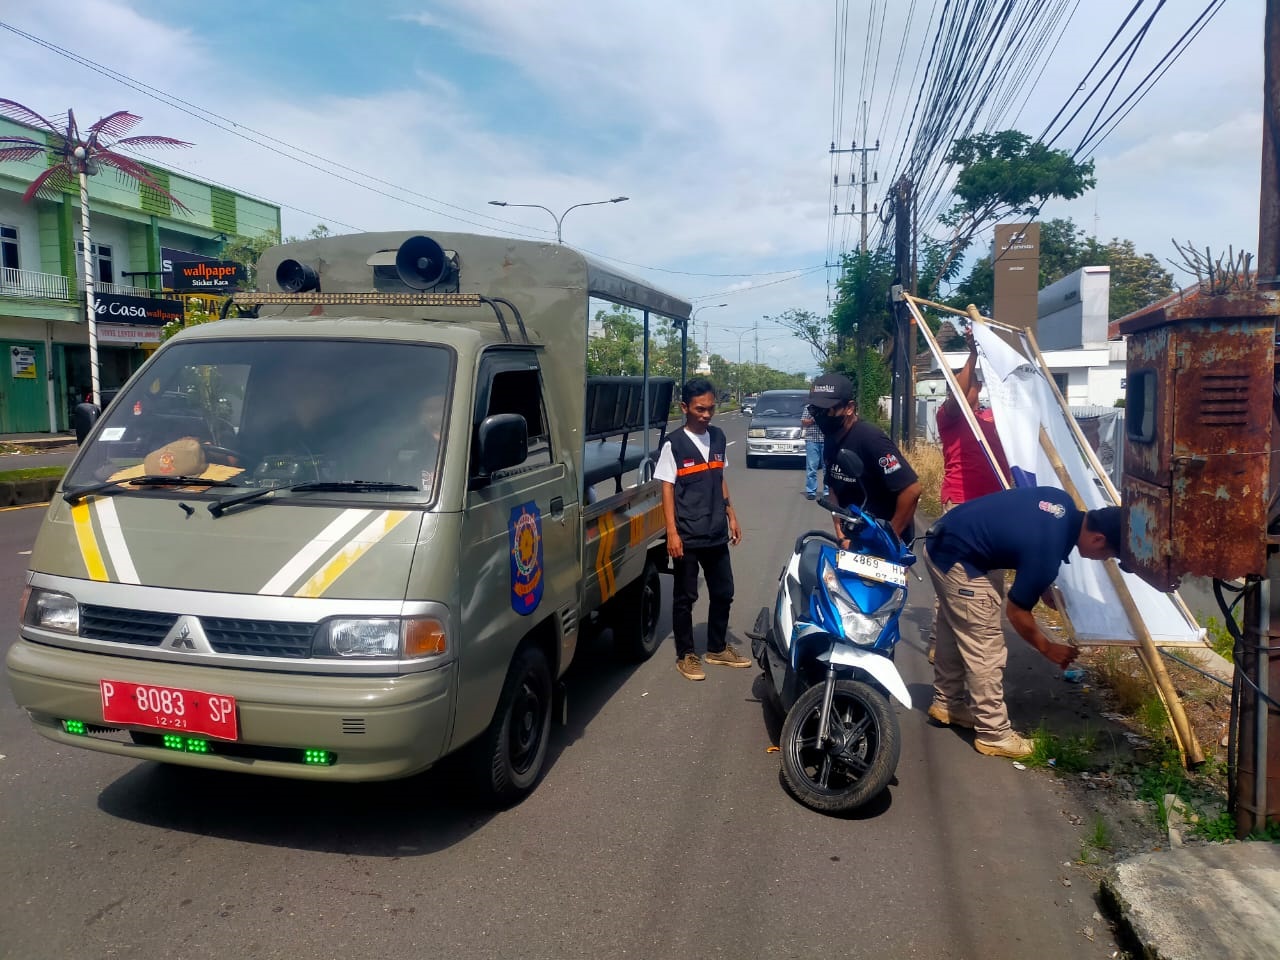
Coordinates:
(873, 568)
(169, 708)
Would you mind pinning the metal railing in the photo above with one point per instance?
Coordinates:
(29, 283)
(121, 289)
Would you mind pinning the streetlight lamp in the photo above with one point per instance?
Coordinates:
(560, 219)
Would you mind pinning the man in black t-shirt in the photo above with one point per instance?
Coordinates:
(890, 486)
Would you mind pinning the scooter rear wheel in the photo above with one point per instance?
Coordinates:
(857, 761)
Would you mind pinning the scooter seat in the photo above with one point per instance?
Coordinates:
(810, 553)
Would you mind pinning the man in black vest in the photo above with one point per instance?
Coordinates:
(700, 526)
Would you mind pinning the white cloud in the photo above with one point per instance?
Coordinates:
(714, 118)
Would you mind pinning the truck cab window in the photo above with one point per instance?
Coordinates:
(519, 391)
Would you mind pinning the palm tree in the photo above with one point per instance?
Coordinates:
(75, 157)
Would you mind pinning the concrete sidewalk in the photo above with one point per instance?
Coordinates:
(40, 441)
(1207, 902)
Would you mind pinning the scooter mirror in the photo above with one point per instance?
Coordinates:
(850, 463)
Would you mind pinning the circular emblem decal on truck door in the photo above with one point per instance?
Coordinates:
(524, 530)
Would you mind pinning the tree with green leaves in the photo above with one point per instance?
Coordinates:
(1004, 174)
(617, 350)
(74, 157)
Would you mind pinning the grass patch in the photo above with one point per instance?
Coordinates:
(1220, 639)
(1067, 754)
(1217, 829)
(1096, 842)
(926, 461)
(31, 473)
(1119, 670)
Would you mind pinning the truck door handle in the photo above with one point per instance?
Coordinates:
(557, 508)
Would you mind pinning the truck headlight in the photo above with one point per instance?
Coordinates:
(757, 433)
(381, 638)
(50, 610)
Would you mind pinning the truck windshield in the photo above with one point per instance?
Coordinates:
(356, 417)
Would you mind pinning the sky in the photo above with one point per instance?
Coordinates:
(714, 118)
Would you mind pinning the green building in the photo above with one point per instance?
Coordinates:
(137, 235)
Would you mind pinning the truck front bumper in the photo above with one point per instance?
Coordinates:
(376, 728)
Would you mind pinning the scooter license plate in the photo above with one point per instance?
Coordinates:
(873, 568)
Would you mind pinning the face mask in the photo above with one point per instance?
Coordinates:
(829, 422)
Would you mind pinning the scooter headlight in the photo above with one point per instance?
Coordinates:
(859, 628)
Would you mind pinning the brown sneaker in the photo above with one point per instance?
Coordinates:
(951, 715)
(690, 667)
(728, 657)
(1011, 745)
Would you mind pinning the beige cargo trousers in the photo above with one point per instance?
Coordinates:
(970, 653)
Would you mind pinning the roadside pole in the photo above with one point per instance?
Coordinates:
(902, 401)
(1257, 783)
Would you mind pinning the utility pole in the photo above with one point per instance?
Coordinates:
(900, 420)
(864, 182)
(1257, 781)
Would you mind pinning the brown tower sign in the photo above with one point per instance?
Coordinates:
(1016, 263)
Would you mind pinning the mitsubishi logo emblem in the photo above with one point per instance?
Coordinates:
(183, 639)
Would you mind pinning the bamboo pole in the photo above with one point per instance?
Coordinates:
(1188, 745)
(954, 385)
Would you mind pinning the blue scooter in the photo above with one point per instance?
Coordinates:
(826, 649)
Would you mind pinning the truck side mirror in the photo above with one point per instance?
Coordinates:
(502, 441)
(850, 463)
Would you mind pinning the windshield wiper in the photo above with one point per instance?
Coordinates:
(147, 480)
(359, 486)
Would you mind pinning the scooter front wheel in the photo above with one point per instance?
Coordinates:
(860, 754)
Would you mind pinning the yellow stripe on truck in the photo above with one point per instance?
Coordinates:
(353, 550)
(90, 552)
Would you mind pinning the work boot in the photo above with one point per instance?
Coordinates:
(690, 667)
(728, 657)
(1011, 745)
(951, 714)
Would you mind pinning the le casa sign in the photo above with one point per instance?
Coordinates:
(146, 311)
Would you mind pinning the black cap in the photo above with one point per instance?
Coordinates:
(1109, 521)
(831, 390)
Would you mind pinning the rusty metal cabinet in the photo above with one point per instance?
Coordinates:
(1198, 413)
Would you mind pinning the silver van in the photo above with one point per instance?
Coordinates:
(775, 430)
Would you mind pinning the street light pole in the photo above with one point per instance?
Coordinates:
(558, 219)
(684, 346)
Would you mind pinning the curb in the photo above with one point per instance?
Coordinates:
(19, 492)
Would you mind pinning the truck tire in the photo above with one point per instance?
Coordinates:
(634, 617)
(510, 755)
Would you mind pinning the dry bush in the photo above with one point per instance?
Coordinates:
(926, 460)
(1118, 669)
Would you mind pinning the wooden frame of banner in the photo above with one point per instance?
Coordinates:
(970, 417)
(1148, 654)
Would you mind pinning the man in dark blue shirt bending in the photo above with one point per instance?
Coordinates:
(1031, 531)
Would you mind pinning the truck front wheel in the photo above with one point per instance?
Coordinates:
(511, 753)
(635, 617)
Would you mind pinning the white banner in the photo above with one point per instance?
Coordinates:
(1023, 402)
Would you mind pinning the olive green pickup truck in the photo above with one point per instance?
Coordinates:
(359, 527)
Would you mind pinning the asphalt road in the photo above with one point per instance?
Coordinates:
(660, 830)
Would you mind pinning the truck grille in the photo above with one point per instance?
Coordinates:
(259, 638)
(782, 433)
(143, 627)
(251, 638)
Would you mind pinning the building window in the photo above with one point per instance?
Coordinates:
(1061, 380)
(104, 271)
(8, 247)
